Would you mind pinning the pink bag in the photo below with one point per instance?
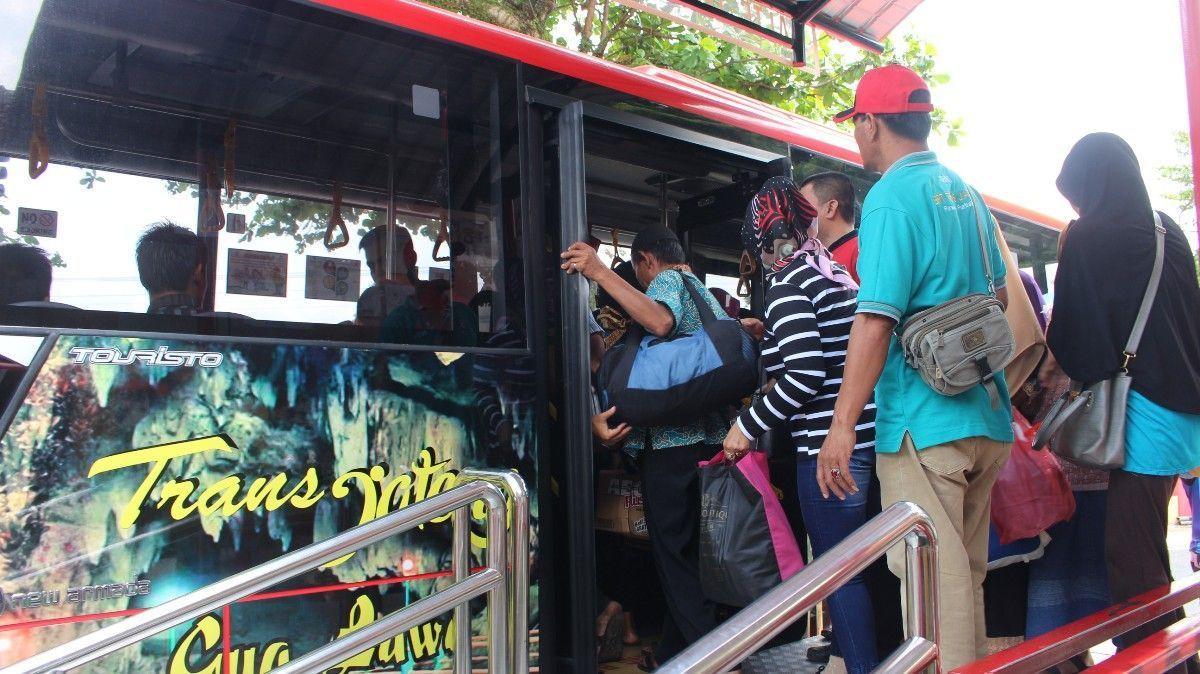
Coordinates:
(746, 544)
(1031, 493)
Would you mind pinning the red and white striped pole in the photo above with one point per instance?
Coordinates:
(1189, 14)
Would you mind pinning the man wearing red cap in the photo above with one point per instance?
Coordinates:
(919, 246)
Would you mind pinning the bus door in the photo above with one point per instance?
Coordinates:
(605, 170)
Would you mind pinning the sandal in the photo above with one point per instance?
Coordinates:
(647, 663)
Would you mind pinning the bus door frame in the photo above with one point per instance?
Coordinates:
(573, 117)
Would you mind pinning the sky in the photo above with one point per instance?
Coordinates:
(1030, 78)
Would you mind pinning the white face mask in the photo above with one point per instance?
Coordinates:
(781, 249)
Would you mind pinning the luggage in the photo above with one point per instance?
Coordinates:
(1031, 493)
(1087, 424)
(746, 545)
(655, 381)
(964, 342)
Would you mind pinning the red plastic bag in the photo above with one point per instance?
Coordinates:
(1031, 493)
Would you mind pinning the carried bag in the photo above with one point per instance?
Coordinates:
(746, 544)
(655, 381)
(964, 342)
(1031, 493)
(1087, 423)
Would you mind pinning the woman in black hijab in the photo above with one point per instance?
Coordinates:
(1104, 268)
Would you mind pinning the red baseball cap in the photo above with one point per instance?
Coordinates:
(887, 90)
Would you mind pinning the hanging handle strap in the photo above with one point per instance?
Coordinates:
(746, 268)
(39, 146)
(336, 222)
(616, 261)
(1143, 314)
(230, 158)
(212, 218)
(443, 238)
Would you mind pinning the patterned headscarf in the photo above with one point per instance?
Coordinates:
(780, 211)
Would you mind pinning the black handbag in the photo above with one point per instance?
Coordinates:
(656, 381)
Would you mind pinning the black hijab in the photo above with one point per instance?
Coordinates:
(1104, 266)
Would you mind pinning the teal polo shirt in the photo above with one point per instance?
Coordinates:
(919, 247)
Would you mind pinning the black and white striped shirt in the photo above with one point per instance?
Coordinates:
(808, 321)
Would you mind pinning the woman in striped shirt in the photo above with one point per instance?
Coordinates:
(810, 302)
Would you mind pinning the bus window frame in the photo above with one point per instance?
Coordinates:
(76, 321)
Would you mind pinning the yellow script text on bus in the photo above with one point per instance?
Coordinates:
(381, 492)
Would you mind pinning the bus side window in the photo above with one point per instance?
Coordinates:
(346, 198)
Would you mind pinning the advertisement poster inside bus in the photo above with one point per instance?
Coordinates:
(136, 470)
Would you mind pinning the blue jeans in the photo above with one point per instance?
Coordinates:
(828, 522)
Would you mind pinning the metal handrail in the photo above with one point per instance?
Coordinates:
(491, 580)
(518, 559)
(770, 614)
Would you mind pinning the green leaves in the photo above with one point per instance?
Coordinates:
(1181, 174)
(90, 178)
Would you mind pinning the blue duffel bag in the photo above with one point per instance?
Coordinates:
(656, 381)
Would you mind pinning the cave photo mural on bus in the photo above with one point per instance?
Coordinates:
(137, 470)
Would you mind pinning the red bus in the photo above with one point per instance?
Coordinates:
(376, 192)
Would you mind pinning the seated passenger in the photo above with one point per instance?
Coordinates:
(25, 274)
(171, 264)
(392, 286)
(431, 318)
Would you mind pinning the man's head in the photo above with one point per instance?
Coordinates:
(404, 255)
(653, 250)
(832, 194)
(891, 114)
(24, 274)
(171, 259)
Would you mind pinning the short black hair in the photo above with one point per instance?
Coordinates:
(24, 274)
(659, 242)
(167, 257)
(832, 185)
(374, 247)
(911, 125)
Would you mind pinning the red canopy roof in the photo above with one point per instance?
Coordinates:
(871, 19)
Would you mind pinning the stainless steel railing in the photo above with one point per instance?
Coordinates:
(762, 620)
(518, 587)
(491, 580)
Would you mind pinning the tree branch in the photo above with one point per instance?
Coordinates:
(601, 48)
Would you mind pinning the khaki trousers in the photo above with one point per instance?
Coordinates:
(953, 483)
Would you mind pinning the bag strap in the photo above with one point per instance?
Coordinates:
(977, 206)
(706, 313)
(1139, 324)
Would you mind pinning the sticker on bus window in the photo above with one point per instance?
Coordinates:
(36, 222)
(331, 278)
(253, 272)
(427, 102)
(235, 223)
